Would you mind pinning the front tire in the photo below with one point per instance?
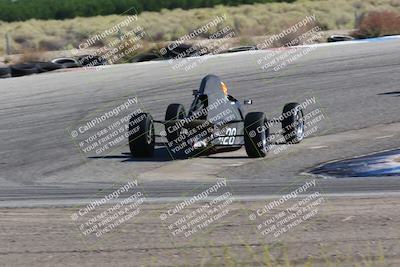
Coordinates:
(293, 124)
(256, 133)
(141, 135)
(174, 112)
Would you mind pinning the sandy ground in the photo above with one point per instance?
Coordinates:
(344, 231)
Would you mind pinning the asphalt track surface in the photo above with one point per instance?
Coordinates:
(356, 85)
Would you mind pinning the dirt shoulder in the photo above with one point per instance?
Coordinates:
(344, 231)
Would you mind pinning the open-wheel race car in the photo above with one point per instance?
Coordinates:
(215, 123)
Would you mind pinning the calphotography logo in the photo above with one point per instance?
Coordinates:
(293, 43)
(188, 57)
(107, 214)
(199, 133)
(286, 213)
(107, 130)
(129, 41)
(199, 212)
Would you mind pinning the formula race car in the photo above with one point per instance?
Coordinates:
(215, 123)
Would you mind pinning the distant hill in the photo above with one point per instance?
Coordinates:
(20, 10)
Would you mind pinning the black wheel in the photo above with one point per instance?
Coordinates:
(141, 135)
(146, 57)
(174, 112)
(70, 65)
(5, 72)
(23, 69)
(293, 123)
(46, 66)
(67, 63)
(256, 134)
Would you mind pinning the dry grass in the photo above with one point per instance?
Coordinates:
(377, 23)
(246, 20)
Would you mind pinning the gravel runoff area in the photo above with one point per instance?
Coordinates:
(344, 231)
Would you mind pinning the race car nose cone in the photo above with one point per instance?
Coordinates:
(224, 88)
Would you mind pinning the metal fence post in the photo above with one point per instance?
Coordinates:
(8, 46)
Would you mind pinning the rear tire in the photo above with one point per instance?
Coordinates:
(256, 134)
(293, 125)
(141, 135)
(174, 112)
